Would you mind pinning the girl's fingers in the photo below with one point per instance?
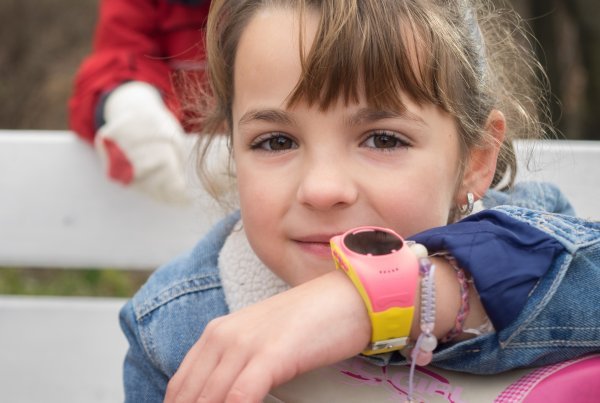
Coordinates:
(241, 356)
(186, 386)
(239, 373)
(221, 379)
(190, 375)
(257, 379)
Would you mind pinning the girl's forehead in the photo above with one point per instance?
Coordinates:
(347, 61)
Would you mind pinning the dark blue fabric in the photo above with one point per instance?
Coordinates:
(99, 120)
(505, 257)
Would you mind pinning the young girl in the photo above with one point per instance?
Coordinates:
(348, 113)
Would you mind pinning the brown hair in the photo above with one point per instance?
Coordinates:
(464, 56)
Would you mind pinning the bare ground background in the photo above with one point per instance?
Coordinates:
(42, 44)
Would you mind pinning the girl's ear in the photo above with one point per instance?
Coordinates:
(481, 165)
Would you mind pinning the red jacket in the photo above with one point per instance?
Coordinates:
(142, 40)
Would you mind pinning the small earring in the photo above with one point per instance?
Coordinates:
(468, 208)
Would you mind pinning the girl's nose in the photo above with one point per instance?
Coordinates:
(326, 185)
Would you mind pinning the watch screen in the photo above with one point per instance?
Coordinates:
(373, 242)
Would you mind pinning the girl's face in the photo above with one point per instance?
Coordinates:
(305, 175)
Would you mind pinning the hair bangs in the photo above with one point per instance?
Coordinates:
(377, 51)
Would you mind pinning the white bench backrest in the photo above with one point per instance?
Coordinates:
(57, 209)
(574, 166)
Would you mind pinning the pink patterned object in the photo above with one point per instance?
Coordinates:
(575, 380)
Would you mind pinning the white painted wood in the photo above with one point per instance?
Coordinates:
(572, 165)
(57, 209)
(60, 350)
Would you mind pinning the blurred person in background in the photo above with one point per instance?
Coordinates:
(125, 99)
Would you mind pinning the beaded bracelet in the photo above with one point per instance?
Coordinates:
(426, 342)
(463, 312)
(427, 320)
(422, 351)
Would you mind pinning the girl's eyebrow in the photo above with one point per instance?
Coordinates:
(362, 116)
(268, 115)
(369, 115)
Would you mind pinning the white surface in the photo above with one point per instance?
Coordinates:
(60, 350)
(573, 165)
(57, 209)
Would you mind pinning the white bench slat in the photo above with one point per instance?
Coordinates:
(58, 210)
(572, 165)
(60, 350)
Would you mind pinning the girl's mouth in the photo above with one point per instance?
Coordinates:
(316, 245)
(320, 249)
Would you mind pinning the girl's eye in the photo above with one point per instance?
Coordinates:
(384, 140)
(274, 142)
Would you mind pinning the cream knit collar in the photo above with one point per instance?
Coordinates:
(246, 280)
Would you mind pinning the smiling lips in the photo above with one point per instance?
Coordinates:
(316, 245)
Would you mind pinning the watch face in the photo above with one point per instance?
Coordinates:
(374, 242)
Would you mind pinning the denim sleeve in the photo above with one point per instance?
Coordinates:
(560, 319)
(143, 382)
(504, 256)
(531, 195)
(161, 331)
(168, 314)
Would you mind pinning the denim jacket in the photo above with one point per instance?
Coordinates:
(558, 321)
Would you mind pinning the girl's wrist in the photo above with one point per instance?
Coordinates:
(340, 290)
(448, 306)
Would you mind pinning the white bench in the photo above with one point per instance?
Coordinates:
(57, 210)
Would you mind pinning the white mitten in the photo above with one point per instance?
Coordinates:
(142, 144)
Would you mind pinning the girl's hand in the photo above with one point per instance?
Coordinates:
(242, 356)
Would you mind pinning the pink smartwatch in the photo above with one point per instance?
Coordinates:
(385, 272)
